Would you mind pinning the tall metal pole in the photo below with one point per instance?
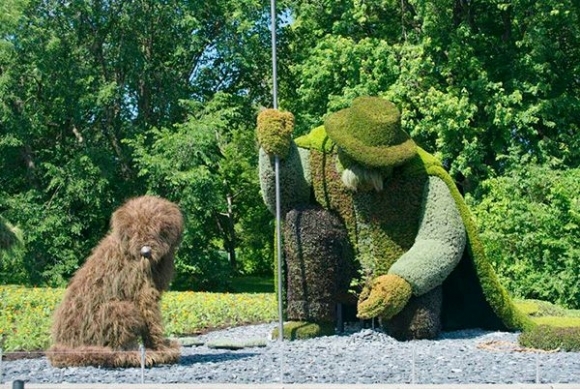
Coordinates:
(274, 61)
(277, 174)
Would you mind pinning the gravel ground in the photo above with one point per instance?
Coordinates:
(362, 356)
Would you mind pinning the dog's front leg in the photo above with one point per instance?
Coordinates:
(152, 329)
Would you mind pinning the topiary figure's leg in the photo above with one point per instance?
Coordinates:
(420, 319)
(320, 266)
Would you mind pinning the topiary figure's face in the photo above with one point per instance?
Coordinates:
(360, 178)
(148, 227)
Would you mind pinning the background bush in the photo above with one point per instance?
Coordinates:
(530, 225)
(12, 253)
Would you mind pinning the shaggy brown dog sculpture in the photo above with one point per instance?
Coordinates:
(111, 305)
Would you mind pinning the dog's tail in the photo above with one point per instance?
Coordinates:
(65, 356)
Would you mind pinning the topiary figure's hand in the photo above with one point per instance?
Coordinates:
(385, 297)
(275, 131)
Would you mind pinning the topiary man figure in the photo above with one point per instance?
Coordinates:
(362, 202)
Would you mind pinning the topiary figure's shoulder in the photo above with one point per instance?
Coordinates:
(316, 139)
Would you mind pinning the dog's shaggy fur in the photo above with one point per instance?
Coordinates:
(111, 305)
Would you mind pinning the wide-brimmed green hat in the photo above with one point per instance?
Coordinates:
(370, 133)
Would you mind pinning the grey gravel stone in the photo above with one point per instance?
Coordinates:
(359, 356)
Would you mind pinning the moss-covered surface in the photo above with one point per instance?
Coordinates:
(384, 228)
(370, 132)
(294, 180)
(419, 320)
(294, 330)
(381, 225)
(385, 297)
(495, 295)
(229, 344)
(315, 140)
(439, 244)
(274, 131)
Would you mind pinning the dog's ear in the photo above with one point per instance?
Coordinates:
(120, 222)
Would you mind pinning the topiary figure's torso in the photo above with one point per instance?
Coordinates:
(382, 225)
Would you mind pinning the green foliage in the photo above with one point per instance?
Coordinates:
(26, 313)
(12, 253)
(60, 230)
(548, 337)
(187, 313)
(204, 165)
(474, 80)
(25, 316)
(479, 83)
(530, 226)
(539, 308)
(10, 236)
(76, 79)
(334, 71)
(559, 321)
(556, 328)
(253, 284)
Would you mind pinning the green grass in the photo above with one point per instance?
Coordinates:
(537, 309)
(26, 313)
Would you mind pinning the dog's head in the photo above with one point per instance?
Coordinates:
(148, 227)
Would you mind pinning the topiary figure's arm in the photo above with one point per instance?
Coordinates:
(294, 179)
(439, 243)
(274, 135)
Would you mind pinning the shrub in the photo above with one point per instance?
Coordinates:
(539, 309)
(12, 252)
(547, 337)
(530, 225)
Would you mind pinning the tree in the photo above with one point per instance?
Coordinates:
(476, 81)
(530, 225)
(206, 164)
(79, 78)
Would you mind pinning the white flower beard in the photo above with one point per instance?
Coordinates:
(357, 178)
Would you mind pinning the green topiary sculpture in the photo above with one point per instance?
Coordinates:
(363, 203)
